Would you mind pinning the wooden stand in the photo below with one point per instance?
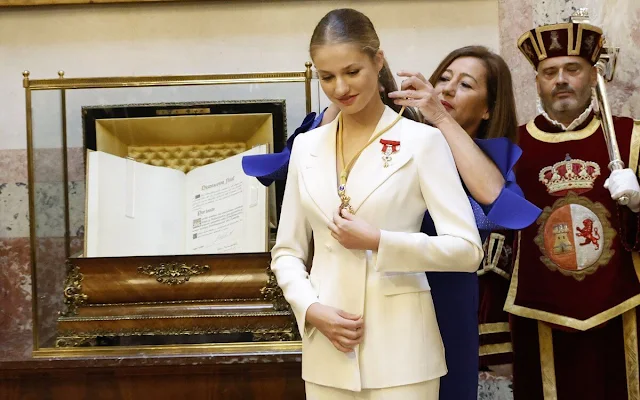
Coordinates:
(219, 295)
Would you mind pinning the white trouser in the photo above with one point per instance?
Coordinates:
(427, 390)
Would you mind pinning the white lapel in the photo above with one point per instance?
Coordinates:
(319, 169)
(368, 172)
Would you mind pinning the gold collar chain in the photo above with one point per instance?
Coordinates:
(344, 199)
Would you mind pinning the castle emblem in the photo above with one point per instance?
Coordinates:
(575, 236)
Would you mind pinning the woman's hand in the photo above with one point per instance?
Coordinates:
(417, 92)
(343, 329)
(353, 232)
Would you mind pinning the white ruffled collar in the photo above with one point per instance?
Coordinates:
(576, 122)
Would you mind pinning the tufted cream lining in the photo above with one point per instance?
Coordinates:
(186, 157)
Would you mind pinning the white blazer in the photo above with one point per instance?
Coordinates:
(402, 343)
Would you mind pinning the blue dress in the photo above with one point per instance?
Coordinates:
(455, 294)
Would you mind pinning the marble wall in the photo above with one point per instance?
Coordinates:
(15, 276)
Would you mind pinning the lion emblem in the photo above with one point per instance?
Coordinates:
(589, 233)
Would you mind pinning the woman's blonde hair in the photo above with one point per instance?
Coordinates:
(346, 25)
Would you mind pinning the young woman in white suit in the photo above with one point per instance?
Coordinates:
(359, 188)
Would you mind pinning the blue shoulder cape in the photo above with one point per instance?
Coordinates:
(510, 210)
(273, 167)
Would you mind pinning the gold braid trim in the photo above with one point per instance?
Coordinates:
(547, 137)
(630, 330)
(494, 327)
(563, 320)
(493, 250)
(497, 348)
(547, 365)
(634, 148)
(629, 322)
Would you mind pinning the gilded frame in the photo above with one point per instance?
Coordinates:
(40, 3)
(63, 84)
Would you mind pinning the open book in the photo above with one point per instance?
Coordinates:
(135, 209)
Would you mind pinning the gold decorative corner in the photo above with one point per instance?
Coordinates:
(73, 296)
(173, 273)
(272, 292)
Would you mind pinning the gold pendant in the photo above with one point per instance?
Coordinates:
(344, 199)
(388, 149)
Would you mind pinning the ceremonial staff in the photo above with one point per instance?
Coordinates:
(605, 66)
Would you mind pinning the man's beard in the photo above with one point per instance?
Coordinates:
(575, 104)
(563, 105)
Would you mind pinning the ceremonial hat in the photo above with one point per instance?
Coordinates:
(565, 39)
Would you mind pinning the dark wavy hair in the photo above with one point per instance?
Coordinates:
(503, 120)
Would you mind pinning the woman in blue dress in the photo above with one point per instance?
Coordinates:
(470, 99)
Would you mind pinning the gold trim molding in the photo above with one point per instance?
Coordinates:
(275, 333)
(217, 349)
(168, 80)
(174, 317)
(41, 3)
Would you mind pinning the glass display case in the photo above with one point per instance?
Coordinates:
(106, 276)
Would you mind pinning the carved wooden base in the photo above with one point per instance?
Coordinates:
(223, 295)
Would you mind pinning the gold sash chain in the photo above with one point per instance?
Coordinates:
(347, 168)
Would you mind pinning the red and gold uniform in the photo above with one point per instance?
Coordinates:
(575, 287)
